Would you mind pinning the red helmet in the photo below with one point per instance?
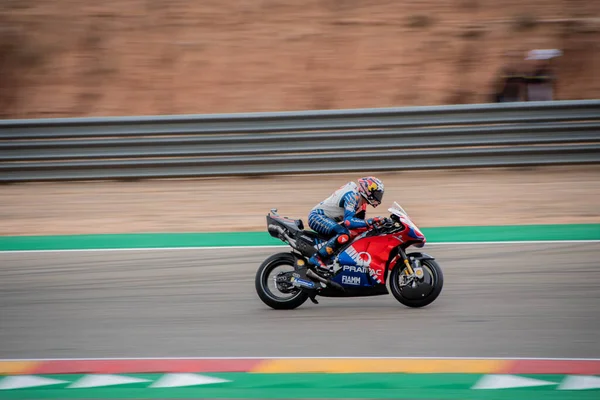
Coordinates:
(371, 189)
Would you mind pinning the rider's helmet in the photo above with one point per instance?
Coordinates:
(371, 189)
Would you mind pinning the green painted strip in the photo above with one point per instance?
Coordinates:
(140, 240)
(512, 233)
(224, 239)
(297, 386)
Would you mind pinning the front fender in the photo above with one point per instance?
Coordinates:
(420, 256)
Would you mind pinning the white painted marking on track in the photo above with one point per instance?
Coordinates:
(179, 380)
(508, 381)
(580, 382)
(27, 381)
(99, 380)
(286, 246)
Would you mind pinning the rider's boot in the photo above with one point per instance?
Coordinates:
(320, 265)
(321, 257)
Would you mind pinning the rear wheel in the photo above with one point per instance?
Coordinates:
(425, 291)
(273, 286)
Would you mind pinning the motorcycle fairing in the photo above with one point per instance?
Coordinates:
(364, 262)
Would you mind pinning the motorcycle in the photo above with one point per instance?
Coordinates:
(366, 265)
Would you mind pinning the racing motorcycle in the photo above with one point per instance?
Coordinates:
(366, 265)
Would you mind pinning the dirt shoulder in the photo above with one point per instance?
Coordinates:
(433, 198)
(132, 57)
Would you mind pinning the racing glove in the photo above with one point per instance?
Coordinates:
(371, 222)
(378, 221)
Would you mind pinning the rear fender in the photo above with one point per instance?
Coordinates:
(300, 272)
(300, 262)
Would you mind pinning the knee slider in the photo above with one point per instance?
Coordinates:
(343, 238)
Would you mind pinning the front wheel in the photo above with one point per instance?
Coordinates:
(425, 291)
(283, 296)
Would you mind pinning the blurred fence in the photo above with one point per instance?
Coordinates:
(458, 136)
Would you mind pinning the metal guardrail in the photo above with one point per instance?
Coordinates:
(482, 135)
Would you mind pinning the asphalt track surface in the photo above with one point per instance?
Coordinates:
(499, 300)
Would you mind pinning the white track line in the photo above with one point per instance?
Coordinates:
(512, 242)
(299, 358)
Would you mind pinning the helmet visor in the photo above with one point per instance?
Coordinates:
(377, 196)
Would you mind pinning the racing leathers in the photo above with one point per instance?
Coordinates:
(325, 218)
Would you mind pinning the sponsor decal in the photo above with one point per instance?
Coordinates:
(351, 280)
(307, 239)
(362, 259)
(302, 282)
(352, 268)
(363, 264)
(363, 270)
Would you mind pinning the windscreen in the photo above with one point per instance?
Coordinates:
(398, 210)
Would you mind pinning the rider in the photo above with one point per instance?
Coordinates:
(343, 204)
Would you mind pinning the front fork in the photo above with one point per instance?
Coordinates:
(411, 272)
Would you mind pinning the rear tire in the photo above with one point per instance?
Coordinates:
(432, 271)
(296, 299)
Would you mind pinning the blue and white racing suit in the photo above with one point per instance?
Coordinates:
(324, 218)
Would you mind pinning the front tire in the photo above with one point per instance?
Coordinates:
(426, 291)
(296, 296)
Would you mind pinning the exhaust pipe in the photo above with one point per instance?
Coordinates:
(311, 274)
